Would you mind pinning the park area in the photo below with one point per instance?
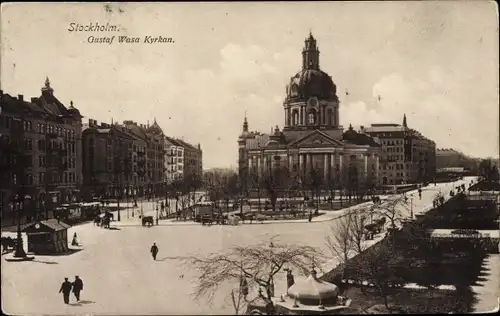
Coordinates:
(441, 273)
(121, 277)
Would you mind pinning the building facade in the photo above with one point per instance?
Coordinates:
(174, 160)
(107, 161)
(182, 160)
(124, 160)
(407, 156)
(41, 154)
(193, 161)
(312, 146)
(152, 160)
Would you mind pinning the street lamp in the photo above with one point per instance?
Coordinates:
(157, 212)
(18, 200)
(411, 207)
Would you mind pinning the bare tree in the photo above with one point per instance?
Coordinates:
(258, 264)
(358, 230)
(392, 209)
(377, 267)
(339, 241)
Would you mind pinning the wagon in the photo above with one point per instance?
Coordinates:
(147, 220)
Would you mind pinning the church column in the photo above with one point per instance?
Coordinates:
(377, 167)
(259, 165)
(250, 163)
(325, 167)
(301, 163)
(341, 168)
(366, 166)
(302, 116)
(336, 115)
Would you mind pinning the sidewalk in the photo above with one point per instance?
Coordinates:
(487, 289)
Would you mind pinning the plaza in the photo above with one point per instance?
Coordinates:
(120, 277)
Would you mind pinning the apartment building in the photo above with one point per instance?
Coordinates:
(40, 158)
(407, 156)
(174, 159)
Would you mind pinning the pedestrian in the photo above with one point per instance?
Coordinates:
(154, 250)
(290, 280)
(77, 287)
(74, 242)
(310, 216)
(65, 289)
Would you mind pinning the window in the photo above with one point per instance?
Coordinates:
(41, 161)
(329, 117)
(295, 117)
(311, 118)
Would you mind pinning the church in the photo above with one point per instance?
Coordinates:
(312, 140)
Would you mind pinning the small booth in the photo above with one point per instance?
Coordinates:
(311, 296)
(47, 237)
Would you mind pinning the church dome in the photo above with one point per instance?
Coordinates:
(313, 289)
(312, 83)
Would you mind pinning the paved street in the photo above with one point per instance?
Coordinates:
(121, 278)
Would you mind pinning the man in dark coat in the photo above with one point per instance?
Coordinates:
(290, 280)
(77, 287)
(66, 289)
(154, 250)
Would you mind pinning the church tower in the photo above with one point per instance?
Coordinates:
(310, 54)
(47, 90)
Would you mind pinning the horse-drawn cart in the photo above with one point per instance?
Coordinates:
(147, 221)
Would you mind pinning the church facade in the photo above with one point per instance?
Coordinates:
(312, 143)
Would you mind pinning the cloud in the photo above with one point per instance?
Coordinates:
(209, 103)
(430, 104)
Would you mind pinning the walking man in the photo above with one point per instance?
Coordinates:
(75, 241)
(154, 250)
(65, 289)
(77, 287)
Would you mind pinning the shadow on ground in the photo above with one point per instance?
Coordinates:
(68, 253)
(81, 303)
(45, 262)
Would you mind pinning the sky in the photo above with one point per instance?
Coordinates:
(436, 62)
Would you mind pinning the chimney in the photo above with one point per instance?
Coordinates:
(362, 129)
(20, 97)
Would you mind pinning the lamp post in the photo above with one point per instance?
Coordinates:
(411, 206)
(157, 202)
(18, 200)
